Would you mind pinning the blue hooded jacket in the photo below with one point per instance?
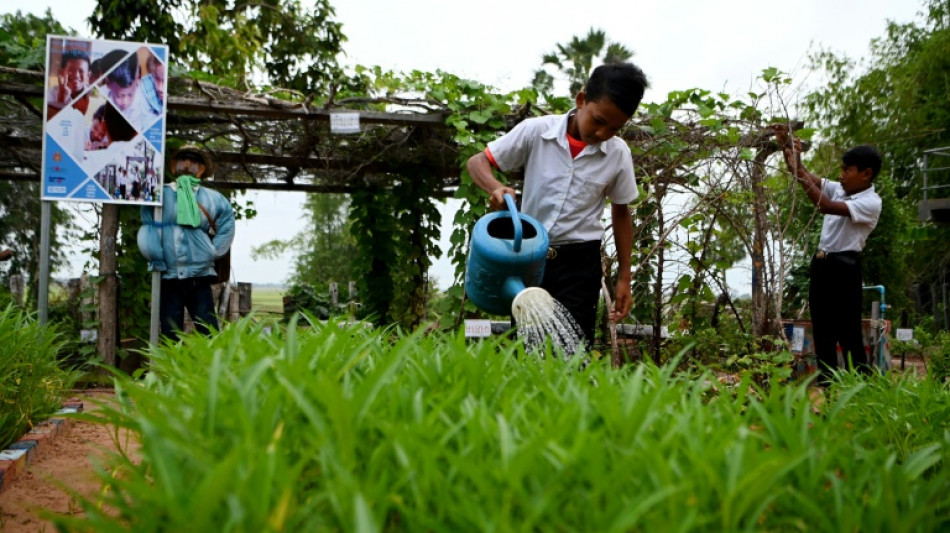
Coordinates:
(182, 251)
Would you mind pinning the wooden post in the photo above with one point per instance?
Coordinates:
(234, 306)
(74, 289)
(108, 283)
(244, 297)
(17, 286)
(351, 302)
(225, 297)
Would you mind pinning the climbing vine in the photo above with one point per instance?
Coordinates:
(474, 115)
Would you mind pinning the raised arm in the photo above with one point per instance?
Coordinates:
(811, 184)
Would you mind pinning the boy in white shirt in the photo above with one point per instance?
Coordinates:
(851, 208)
(572, 164)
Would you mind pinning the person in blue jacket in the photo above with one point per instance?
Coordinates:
(197, 227)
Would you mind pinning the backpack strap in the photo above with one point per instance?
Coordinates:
(214, 227)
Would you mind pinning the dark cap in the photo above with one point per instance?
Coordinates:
(197, 154)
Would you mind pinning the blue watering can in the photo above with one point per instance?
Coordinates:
(506, 255)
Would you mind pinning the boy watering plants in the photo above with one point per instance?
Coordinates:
(572, 164)
(851, 208)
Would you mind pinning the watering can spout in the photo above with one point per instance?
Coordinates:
(512, 287)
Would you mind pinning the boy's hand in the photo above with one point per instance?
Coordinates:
(623, 301)
(792, 150)
(781, 133)
(793, 156)
(497, 199)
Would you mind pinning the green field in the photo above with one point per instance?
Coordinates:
(267, 299)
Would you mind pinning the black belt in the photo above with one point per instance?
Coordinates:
(848, 256)
(555, 249)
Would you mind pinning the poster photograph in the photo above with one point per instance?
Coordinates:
(104, 121)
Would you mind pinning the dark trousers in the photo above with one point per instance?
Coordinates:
(572, 276)
(193, 294)
(834, 297)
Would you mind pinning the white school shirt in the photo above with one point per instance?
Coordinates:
(567, 195)
(850, 233)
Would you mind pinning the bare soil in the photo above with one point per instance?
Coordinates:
(67, 460)
(914, 362)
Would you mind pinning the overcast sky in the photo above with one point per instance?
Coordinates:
(680, 44)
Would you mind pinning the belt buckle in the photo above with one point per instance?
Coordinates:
(552, 252)
(820, 254)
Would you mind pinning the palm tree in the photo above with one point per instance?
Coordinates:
(576, 58)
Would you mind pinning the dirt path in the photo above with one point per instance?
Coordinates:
(67, 459)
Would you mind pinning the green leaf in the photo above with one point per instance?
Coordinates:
(480, 117)
(770, 74)
(805, 133)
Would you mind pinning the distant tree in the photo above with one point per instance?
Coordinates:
(324, 249)
(23, 38)
(577, 58)
(232, 43)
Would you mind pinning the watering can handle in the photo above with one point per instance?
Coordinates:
(515, 221)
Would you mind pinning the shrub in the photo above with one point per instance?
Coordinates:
(305, 298)
(938, 358)
(936, 350)
(33, 384)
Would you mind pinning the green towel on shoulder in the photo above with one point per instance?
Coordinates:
(188, 212)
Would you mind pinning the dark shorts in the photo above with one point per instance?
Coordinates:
(572, 276)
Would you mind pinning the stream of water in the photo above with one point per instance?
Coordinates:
(541, 318)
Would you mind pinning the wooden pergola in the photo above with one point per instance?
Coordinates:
(263, 142)
(279, 141)
(275, 141)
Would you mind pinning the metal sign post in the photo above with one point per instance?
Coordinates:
(153, 331)
(42, 294)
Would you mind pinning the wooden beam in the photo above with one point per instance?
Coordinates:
(446, 192)
(303, 187)
(198, 104)
(179, 103)
(7, 175)
(20, 89)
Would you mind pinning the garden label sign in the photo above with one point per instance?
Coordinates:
(477, 328)
(104, 121)
(342, 123)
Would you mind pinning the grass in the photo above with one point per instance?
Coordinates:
(33, 385)
(267, 300)
(333, 428)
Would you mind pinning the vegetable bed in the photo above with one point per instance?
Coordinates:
(341, 428)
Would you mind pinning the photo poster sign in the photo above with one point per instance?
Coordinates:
(104, 121)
